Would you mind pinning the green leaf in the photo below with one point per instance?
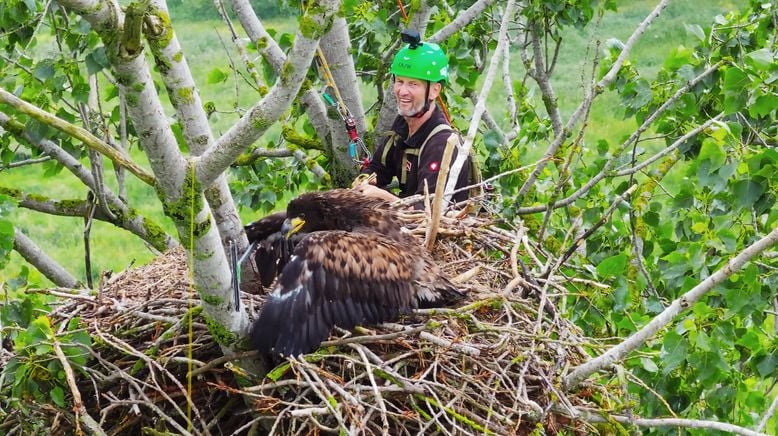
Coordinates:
(674, 350)
(58, 396)
(648, 364)
(679, 57)
(96, 60)
(746, 192)
(735, 84)
(216, 75)
(696, 30)
(763, 105)
(761, 59)
(750, 340)
(44, 70)
(612, 266)
(31, 5)
(767, 366)
(712, 151)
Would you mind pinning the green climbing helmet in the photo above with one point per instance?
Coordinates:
(425, 61)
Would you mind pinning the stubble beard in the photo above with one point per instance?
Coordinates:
(413, 111)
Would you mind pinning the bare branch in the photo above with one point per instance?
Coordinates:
(463, 19)
(127, 218)
(598, 88)
(640, 337)
(272, 53)
(672, 147)
(540, 73)
(769, 414)
(597, 417)
(83, 135)
(82, 416)
(257, 120)
(606, 173)
(464, 150)
(42, 262)
(26, 162)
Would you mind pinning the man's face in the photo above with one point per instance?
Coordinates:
(410, 94)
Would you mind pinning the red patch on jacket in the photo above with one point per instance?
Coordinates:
(434, 166)
(408, 166)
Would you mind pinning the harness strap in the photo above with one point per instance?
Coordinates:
(389, 144)
(418, 151)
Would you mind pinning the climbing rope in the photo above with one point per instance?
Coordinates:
(190, 326)
(357, 150)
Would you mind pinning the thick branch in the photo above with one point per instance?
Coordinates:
(257, 120)
(197, 132)
(666, 422)
(688, 299)
(83, 135)
(143, 103)
(463, 19)
(42, 262)
(540, 74)
(336, 46)
(269, 49)
(126, 217)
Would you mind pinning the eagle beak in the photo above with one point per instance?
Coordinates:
(292, 226)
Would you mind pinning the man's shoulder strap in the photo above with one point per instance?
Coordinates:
(439, 128)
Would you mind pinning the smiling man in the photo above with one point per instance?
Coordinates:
(414, 148)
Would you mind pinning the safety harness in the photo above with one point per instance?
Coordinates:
(454, 140)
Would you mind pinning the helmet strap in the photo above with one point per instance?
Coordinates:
(427, 101)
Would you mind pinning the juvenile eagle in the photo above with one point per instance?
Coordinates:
(343, 260)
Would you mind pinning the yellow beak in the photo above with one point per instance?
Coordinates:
(292, 226)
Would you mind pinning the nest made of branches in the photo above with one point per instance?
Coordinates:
(491, 366)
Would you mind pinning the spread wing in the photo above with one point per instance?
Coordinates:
(272, 250)
(335, 278)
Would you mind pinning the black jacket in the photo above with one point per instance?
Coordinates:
(388, 164)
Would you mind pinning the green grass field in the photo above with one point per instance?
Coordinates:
(204, 46)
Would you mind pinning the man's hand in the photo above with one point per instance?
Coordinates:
(369, 190)
(364, 179)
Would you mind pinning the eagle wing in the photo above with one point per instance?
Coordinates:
(273, 249)
(338, 278)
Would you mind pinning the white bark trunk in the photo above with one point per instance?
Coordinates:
(181, 197)
(197, 132)
(257, 120)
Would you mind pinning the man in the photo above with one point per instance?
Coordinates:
(413, 151)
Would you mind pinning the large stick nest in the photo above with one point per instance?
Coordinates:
(490, 366)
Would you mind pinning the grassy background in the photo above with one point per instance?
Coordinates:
(207, 45)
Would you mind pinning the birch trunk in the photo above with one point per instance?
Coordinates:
(185, 98)
(336, 46)
(180, 181)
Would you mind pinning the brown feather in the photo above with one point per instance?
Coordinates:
(354, 266)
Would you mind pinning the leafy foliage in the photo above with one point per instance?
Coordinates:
(698, 203)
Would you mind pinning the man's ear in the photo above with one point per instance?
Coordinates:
(435, 89)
